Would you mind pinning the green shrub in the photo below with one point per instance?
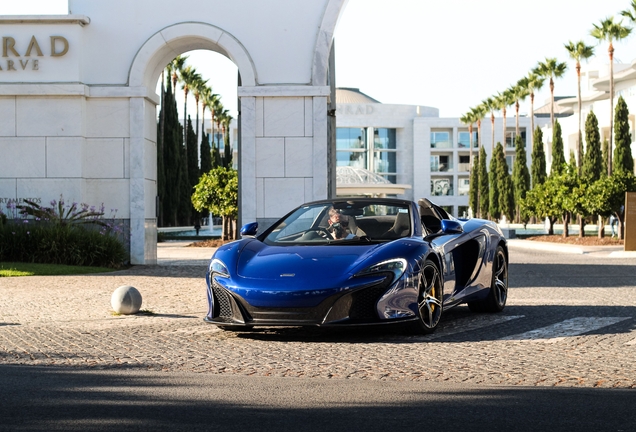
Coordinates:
(60, 234)
(60, 244)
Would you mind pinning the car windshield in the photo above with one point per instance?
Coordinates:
(342, 222)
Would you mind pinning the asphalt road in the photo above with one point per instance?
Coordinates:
(560, 357)
(52, 399)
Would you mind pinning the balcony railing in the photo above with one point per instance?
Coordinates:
(441, 144)
(441, 167)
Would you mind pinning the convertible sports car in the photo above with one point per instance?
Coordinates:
(358, 261)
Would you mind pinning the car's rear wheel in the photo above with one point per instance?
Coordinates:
(498, 294)
(429, 299)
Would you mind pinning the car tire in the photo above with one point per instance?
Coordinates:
(429, 299)
(498, 293)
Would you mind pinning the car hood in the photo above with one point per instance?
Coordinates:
(313, 266)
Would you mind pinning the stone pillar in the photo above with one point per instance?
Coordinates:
(283, 150)
(143, 186)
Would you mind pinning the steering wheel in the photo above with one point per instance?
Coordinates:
(321, 231)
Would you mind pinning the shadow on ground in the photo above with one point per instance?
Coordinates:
(46, 399)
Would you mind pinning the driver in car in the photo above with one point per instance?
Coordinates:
(339, 226)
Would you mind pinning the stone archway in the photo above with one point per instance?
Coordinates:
(150, 60)
(95, 138)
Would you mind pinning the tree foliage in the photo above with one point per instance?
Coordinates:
(592, 161)
(607, 196)
(217, 191)
(538, 166)
(623, 160)
(541, 202)
(484, 194)
(494, 207)
(520, 173)
(558, 157)
(605, 154)
(473, 191)
(170, 194)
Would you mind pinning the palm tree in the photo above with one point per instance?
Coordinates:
(188, 77)
(479, 112)
(491, 105)
(226, 119)
(519, 93)
(215, 109)
(469, 119)
(219, 118)
(551, 68)
(198, 86)
(609, 31)
(577, 52)
(504, 100)
(175, 67)
(531, 82)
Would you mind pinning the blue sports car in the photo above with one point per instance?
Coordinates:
(358, 261)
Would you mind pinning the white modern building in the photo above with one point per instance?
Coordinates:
(595, 97)
(424, 155)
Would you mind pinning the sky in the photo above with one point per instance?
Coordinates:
(449, 54)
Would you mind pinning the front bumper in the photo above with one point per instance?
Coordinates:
(354, 307)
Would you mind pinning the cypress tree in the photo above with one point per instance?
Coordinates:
(558, 157)
(206, 154)
(622, 160)
(504, 185)
(520, 173)
(184, 213)
(484, 199)
(473, 191)
(227, 156)
(605, 155)
(494, 208)
(538, 166)
(192, 157)
(171, 159)
(592, 161)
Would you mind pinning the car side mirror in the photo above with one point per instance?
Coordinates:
(249, 230)
(451, 227)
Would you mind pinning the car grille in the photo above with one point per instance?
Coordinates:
(222, 301)
(363, 304)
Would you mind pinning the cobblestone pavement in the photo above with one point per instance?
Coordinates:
(570, 321)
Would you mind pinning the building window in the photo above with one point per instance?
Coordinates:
(441, 140)
(462, 212)
(351, 147)
(385, 153)
(510, 159)
(448, 209)
(441, 163)
(442, 187)
(464, 163)
(510, 137)
(463, 139)
(463, 187)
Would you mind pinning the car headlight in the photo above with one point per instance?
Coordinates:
(217, 268)
(396, 266)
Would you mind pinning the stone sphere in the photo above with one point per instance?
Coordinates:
(126, 300)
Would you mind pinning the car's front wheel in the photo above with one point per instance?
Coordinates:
(429, 299)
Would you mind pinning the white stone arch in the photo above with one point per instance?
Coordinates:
(176, 39)
(324, 41)
(145, 69)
